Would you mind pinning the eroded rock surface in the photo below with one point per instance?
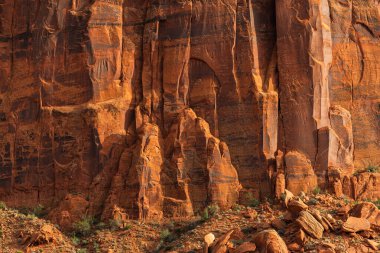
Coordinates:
(160, 108)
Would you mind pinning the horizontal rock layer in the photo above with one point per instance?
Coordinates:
(164, 107)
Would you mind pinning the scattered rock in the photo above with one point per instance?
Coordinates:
(278, 224)
(300, 237)
(246, 247)
(209, 239)
(368, 211)
(250, 213)
(343, 211)
(268, 241)
(353, 225)
(310, 225)
(326, 248)
(288, 195)
(221, 244)
(372, 244)
(296, 206)
(294, 247)
(47, 234)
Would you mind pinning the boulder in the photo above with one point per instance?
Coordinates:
(368, 211)
(310, 225)
(295, 206)
(222, 244)
(287, 195)
(268, 241)
(208, 240)
(245, 247)
(353, 225)
(45, 235)
(278, 224)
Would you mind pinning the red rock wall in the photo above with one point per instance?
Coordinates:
(163, 107)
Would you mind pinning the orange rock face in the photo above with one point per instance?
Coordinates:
(160, 108)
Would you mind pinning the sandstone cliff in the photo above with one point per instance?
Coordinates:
(162, 107)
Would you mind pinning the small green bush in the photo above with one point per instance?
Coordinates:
(75, 240)
(377, 203)
(84, 226)
(252, 201)
(101, 225)
(3, 206)
(312, 202)
(114, 224)
(39, 211)
(317, 190)
(31, 216)
(236, 207)
(96, 247)
(372, 169)
(209, 212)
(165, 234)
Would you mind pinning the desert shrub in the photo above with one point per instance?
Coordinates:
(83, 227)
(39, 211)
(101, 225)
(165, 234)
(377, 203)
(237, 207)
(372, 169)
(317, 190)
(209, 212)
(114, 224)
(252, 201)
(2, 205)
(31, 216)
(312, 202)
(75, 240)
(96, 247)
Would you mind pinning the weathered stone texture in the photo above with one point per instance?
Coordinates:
(163, 107)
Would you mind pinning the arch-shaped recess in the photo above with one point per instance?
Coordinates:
(203, 92)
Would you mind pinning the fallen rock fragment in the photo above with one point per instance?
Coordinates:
(296, 206)
(287, 196)
(250, 213)
(310, 225)
(221, 244)
(369, 234)
(47, 234)
(208, 240)
(343, 211)
(300, 237)
(246, 247)
(326, 248)
(294, 247)
(278, 224)
(353, 225)
(268, 241)
(372, 244)
(368, 211)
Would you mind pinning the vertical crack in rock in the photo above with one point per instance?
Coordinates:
(321, 59)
